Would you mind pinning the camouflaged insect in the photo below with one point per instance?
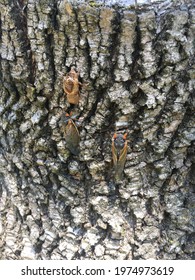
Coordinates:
(71, 86)
(71, 134)
(119, 153)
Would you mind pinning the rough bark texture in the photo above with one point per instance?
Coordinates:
(137, 66)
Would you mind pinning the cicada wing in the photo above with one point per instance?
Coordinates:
(121, 162)
(72, 137)
(114, 154)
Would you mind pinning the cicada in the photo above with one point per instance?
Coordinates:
(71, 134)
(71, 86)
(119, 153)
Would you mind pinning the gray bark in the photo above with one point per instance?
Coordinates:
(137, 67)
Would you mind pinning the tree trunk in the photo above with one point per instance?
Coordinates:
(136, 65)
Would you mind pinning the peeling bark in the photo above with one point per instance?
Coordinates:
(137, 67)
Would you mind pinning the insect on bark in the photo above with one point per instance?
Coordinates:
(71, 86)
(119, 153)
(71, 134)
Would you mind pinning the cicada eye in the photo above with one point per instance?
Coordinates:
(125, 136)
(115, 136)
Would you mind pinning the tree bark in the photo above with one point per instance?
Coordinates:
(137, 70)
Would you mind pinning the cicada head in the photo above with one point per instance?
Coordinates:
(66, 117)
(119, 141)
(73, 74)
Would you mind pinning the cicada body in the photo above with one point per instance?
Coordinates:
(71, 135)
(71, 86)
(119, 153)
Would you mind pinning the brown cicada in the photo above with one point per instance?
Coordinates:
(71, 86)
(119, 153)
(71, 134)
